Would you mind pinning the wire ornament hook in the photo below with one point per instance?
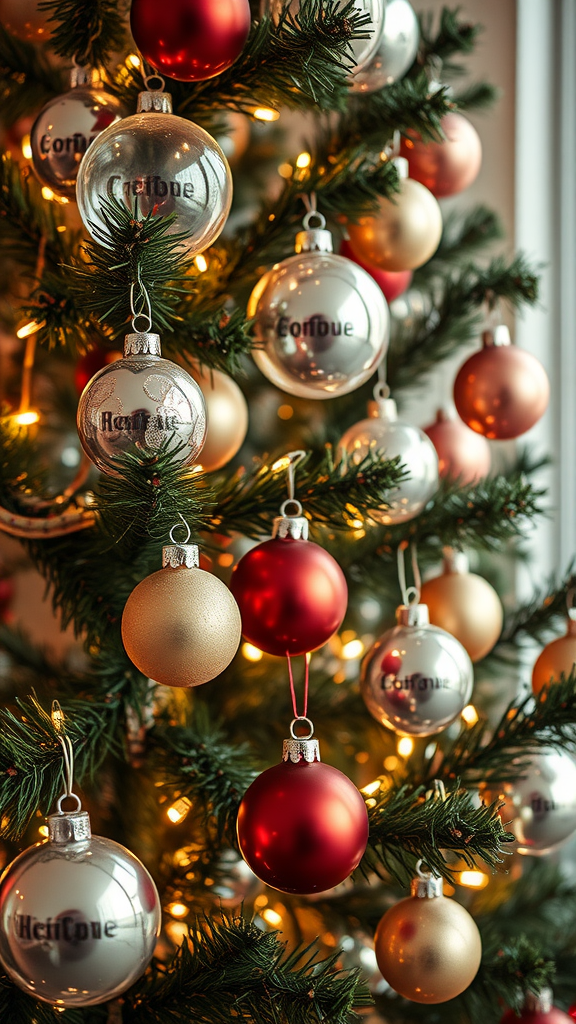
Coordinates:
(178, 526)
(410, 595)
(145, 310)
(294, 460)
(57, 719)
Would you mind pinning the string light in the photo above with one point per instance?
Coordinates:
(43, 830)
(252, 653)
(26, 148)
(470, 715)
(391, 763)
(371, 788)
(271, 917)
(285, 170)
(133, 60)
(177, 910)
(30, 328)
(285, 412)
(201, 262)
(303, 160)
(26, 419)
(405, 746)
(473, 879)
(282, 463)
(178, 811)
(353, 649)
(265, 114)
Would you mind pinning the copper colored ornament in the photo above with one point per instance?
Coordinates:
(227, 417)
(465, 605)
(406, 231)
(462, 454)
(181, 625)
(538, 1009)
(392, 282)
(302, 825)
(501, 391)
(445, 167)
(190, 40)
(428, 947)
(558, 657)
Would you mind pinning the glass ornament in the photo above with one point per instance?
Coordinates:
(543, 802)
(141, 404)
(320, 319)
(79, 918)
(157, 163)
(396, 49)
(362, 50)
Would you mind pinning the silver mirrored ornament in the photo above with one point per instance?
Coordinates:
(416, 678)
(385, 434)
(157, 163)
(141, 403)
(544, 802)
(321, 321)
(67, 126)
(79, 918)
(362, 49)
(396, 51)
(234, 883)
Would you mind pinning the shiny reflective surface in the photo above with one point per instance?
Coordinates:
(63, 131)
(447, 167)
(461, 452)
(362, 49)
(159, 164)
(139, 404)
(79, 922)
(557, 658)
(416, 679)
(396, 49)
(544, 802)
(501, 391)
(323, 324)
(404, 233)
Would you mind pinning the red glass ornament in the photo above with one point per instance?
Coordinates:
(553, 1016)
(447, 167)
(302, 827)
(190, 40)
(572, 1011)
(89, 364)
(462, 454)
(392, 282)
(292, 596)
(502, 390)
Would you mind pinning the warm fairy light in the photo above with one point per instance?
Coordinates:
(177, 931)
(266, 114)
(252, 653)
(179, 810)
(362, 756)
(26, 148)
(282, 463)
(43, 830)
(405, 746)
(285, 170)
(133, 60)
(260, 901)
(177, 910)
(271, 916)
(285, 412)
(353, 649)
(30, 328)
(26, 419)
(225, 559)
(470, 715)
(473, 879)
(201, 262)
(391, 763)
(303, 160)
(371, 788)
(47, 193)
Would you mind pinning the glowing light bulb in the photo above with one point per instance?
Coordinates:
(201, 262)
(26, 419)
(271, 916)
(405, 746)
(26, 148)
(473, 879)
(252, 653)
(303, 160)
(179, 810)
(30, 328)
(371, 788)
(177, 909)
(470, 715)
(265, 114)
(353, 649)
(282, 463)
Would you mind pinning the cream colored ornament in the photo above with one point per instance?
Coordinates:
(227, 416)
(465, 605)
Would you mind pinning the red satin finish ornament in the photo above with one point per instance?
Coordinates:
(447, 167)
(291, 593)
(392, 282)
(302, 825)
(462, 454)
(501, 391)
(538, 1010)
(190, 40)
(572, 1012)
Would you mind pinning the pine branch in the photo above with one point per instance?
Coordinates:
(18, 1008)
(27, 80)
(89, 32)
(535, 619)
(508, 971)
(25, 219)
(454, 36)
(462, 237)
(477, 96)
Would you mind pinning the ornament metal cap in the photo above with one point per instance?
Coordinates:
(383, 409)
(80, 76)
(301, 748)
(69, 826)
(496, 337)
(294, 527)
(455, 561)
(402, 166)
(426, 886)
(176, 555)
(541, 1003)
(412, 615)
(316, 239)
(154, 101)
(142, 343)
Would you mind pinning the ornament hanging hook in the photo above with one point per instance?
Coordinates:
(145, 310)
(381, 390)
(294, 459)
(178, 526)
(410, 595)
(312, 212)
(154, 78)
(57, 719)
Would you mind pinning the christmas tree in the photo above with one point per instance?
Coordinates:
(228, 479)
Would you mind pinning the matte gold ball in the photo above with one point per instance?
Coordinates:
(227, 416)
(181, 627)
(558, 658)
(405, 232)
(465, 605)
(428, 949)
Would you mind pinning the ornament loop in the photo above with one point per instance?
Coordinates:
(296, 508)
(57, 719)
(310, 216)
(178, 526)
(294, 723)
(159, 87)
(381, 391)
(410, 595)
(145, 310)
(294, 458)
(68, 796)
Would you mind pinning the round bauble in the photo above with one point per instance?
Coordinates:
(227, 418)
(7, 592)
(392, 282)
(465, 605)
(397, 49)
(557, 659)
(67, 126)
(384, 434)
(181, 625)
(446, 167)
(79, 918)
(538, 1009)
(302, 825)
(236, 140)
(501, 391)
(141, 404)
(321, 321)
(157, 163)
(543, 802)
(404, 233)
(90, 363)
(291, 593)
(428, 948)
(234, 882)
(190, 40)
(362, 50)
(462, 454)
(416, 678)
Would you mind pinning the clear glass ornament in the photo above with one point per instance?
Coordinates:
(67, 126)
(385, 434)
(141, 403)
(543, 802)
(362, 49)
(416, 678)
(321, 320)
(79, 918)
(396, 49)
(157, 163)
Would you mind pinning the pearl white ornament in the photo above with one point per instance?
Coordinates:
(396, 51)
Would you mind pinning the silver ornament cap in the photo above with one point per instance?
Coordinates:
(154, 101)
(301, 748)
(69, 827)
(496, 337)
(174, 556)
(426, 886)
(142, 343)
(413, 615)
(294, 527)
